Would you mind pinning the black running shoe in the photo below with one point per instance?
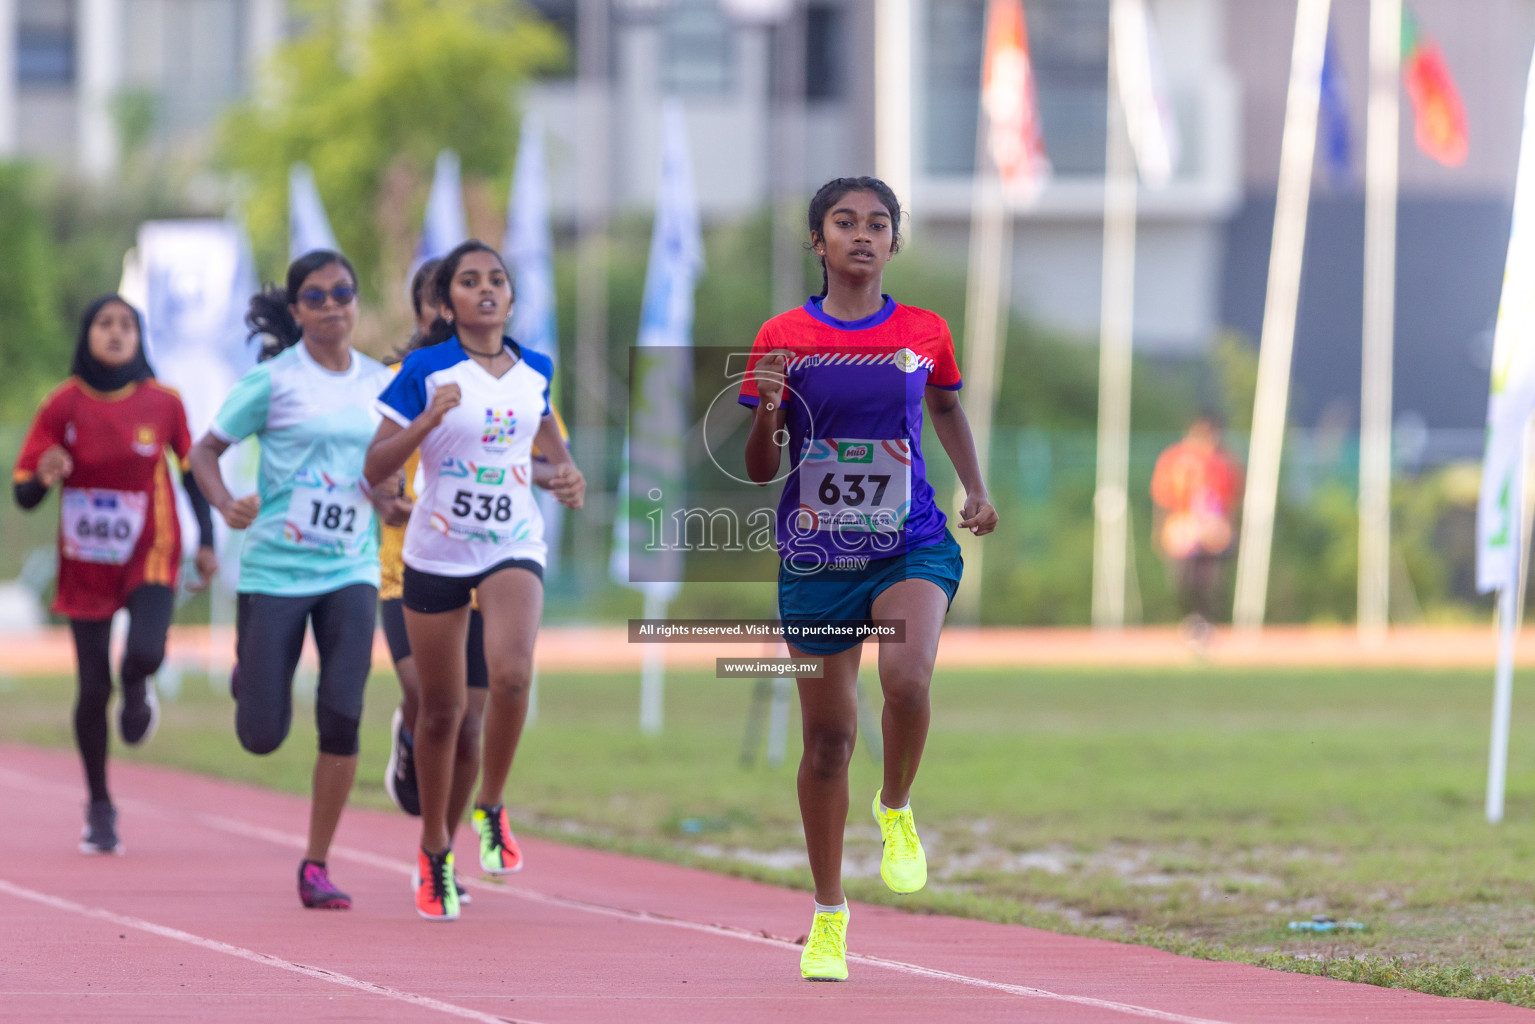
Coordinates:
(138, 716)
(400, 775)
(100, 832)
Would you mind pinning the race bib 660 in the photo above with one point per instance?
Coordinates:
(102, 526)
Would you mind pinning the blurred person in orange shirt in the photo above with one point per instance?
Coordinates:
(1195, 487)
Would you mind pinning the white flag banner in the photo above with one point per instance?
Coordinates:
(193, 279)
(662, 387)
(529, 246)
(1512, 398)
(308, 227)
(1143, 90)
(445, 224)
(528, 249)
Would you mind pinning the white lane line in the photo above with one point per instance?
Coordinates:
(387, 864)
(265, 959)
(294, 841)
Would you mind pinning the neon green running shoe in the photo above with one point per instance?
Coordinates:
(499, 853)
(825, 955)
(903, 865)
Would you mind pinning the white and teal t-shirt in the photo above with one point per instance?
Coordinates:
(315, 532)
(474, 507)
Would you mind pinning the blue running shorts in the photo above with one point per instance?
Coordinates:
(808, 595)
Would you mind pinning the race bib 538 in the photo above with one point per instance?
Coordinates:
(485, 504)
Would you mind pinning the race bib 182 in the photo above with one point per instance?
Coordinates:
(328, 514)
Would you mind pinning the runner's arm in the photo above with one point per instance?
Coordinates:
(393, 443)
(763, 450)
(953, 431)
(204, 460)
(200, 508)
(561, 474)
(390, 448)
(30, 493)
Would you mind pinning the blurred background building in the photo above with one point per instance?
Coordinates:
(782, 94)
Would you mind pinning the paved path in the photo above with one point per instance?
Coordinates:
(200, 921)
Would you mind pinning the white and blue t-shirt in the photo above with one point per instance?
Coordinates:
(316, 531)
(474, 506)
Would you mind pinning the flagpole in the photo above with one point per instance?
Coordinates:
(589, 390)
(1117, 317)
(1297, 151)
(653, 670)
(986, 297)
(1510, 616)
(1382, 157)
(893, 62)
(1503, 518)
(1010, 168)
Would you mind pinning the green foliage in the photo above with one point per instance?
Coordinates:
(61, 244)
(370, 110)
(1235, 360)
(30, 336)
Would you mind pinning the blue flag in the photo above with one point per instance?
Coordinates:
(1337, 135)
(445, 224)
(528, 249)
(529, 246)
(308, 227)
(662, 385)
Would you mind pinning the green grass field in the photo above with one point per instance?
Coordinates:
(1200, 811)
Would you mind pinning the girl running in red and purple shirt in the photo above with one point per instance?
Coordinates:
(841, 383)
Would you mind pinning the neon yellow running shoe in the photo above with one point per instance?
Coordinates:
(825, 955)
(903, 865)
(499, 853)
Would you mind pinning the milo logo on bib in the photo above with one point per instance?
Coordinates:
(849, 451)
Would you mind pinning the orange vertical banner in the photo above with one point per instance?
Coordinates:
(1010, 102)
(1439, 116)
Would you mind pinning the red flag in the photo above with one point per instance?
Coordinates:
(1439, 118)
(1009, 101)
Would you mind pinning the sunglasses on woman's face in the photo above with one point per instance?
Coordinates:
(314, 298)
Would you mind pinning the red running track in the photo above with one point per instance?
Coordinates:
(201, 921)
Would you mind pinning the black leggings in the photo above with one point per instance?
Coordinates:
(149, 610)
(270, 638)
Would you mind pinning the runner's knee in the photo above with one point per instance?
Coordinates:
(828, 749)
(144, 656)
(469, 730)
(906, 689)
(338, 732)
(260, 738)
(438, 720)
(511, 683)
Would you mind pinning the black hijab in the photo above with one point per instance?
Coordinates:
(88, 368)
